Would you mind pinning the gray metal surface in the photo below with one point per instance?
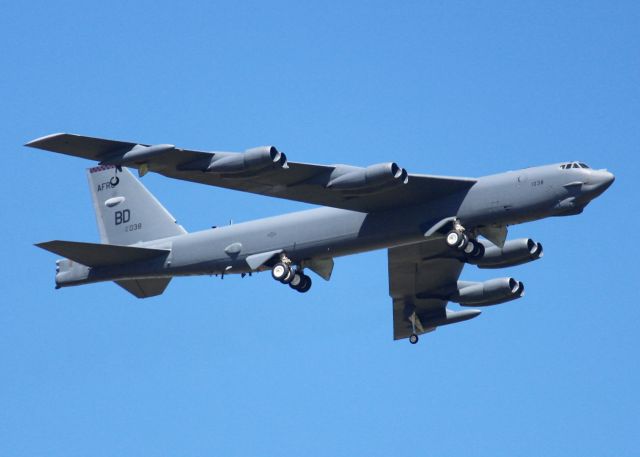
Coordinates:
(376, 207)
(116, 195)
(101, 255)
(300, 181)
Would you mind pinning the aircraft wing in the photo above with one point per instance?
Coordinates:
(266, 171)
(421, 277)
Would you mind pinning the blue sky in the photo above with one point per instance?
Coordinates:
(245, 366)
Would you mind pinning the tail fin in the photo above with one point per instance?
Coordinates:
(126, 212)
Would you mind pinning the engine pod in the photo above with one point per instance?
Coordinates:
(491, 292)
(514, 252)
(250, 160)
(372, 177)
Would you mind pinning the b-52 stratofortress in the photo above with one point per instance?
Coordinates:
(430, 225)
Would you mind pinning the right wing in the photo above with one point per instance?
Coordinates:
(421, 277)
(310, 183)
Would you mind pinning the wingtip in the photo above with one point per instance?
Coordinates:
(46, 245)
(43, 139)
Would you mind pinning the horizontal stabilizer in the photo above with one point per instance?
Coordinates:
(144, 288)
(100, 255)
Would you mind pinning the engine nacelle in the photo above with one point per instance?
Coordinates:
(250, 160)
(371, 177)
(514, 252)
(492, 292)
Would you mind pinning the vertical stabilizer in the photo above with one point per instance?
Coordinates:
(126, 212)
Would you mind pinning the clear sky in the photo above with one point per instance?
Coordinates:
(248, 367)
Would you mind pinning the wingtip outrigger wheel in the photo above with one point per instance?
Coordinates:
(413, 339)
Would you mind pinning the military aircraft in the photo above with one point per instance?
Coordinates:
(430, 225)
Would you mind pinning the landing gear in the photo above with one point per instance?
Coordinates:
(281, 272)
(300, 282)
(454, 238)
(457, 240)
(460, 240)
(413, 339)
(284, 273)
(474, 250)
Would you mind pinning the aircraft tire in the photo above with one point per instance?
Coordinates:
(413, 339)
(304, 285)
(478, 251)
(295, 281)
(463, 242)
(289, 277)
(453, 238)
(471, 247)
(280, 271)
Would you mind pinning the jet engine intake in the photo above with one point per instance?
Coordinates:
(492, 292)
(369, 178)
(251, 160)
(514, 252)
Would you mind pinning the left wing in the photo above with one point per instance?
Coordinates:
(266, 171)
(421, 277)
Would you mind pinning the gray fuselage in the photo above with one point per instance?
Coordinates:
(497, 200)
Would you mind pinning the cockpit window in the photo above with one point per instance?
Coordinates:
(566, 166)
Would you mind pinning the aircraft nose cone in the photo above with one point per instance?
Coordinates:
(599, 181)
(604, 180)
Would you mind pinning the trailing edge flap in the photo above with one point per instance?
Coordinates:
(321, 267)
(496, 234)
(143, 288)
(100, 255)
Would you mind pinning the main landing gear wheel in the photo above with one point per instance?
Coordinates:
(296, 280)
(300, 282)
(413, 339)
(454, 238)
(470, 248)
(474, 249)
(282, 272)
(478, 251)
(464, 242)
(457, 240)
(287, 279)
